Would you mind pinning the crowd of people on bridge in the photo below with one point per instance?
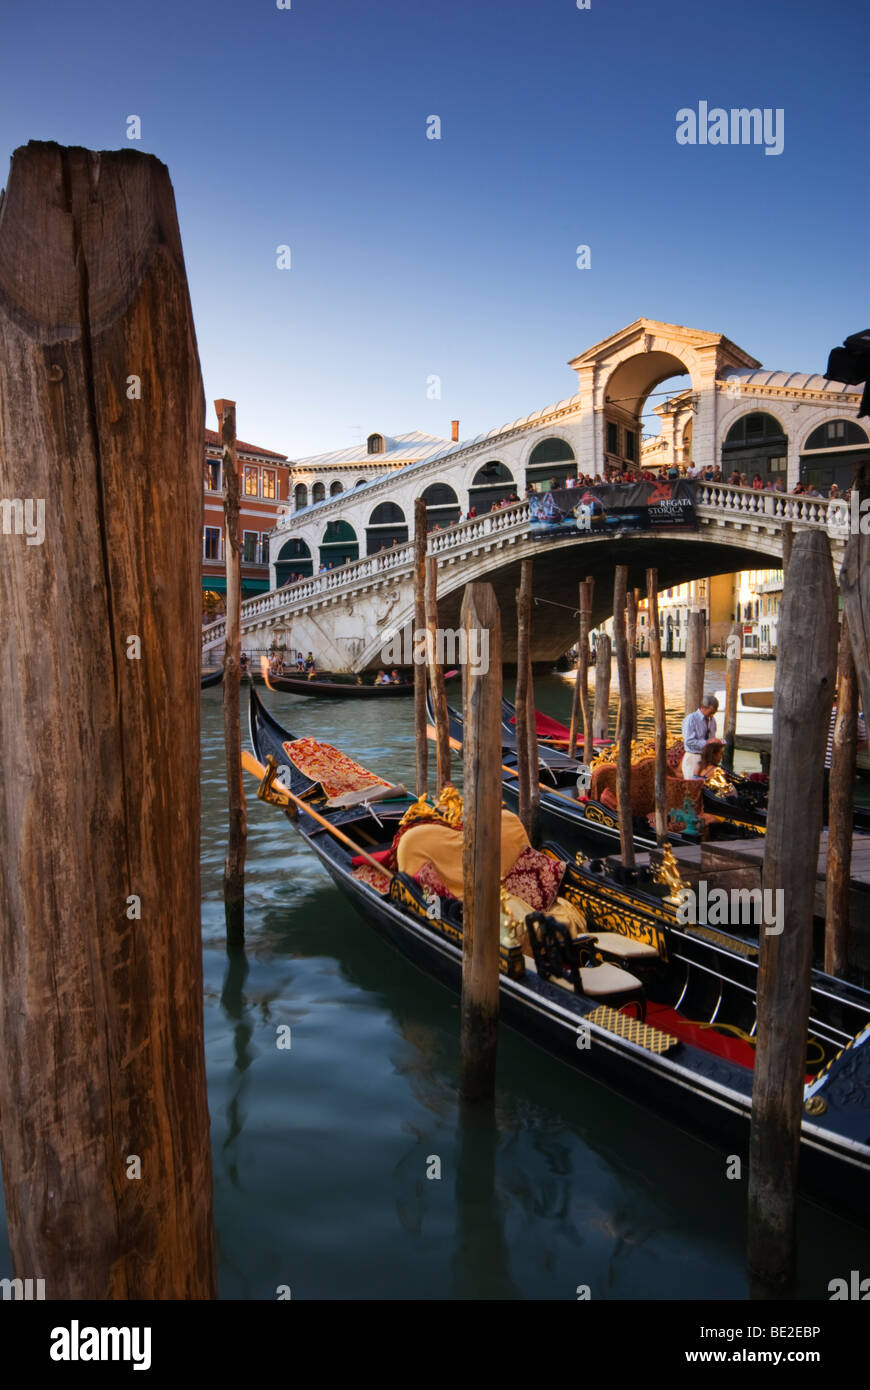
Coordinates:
(625, 476)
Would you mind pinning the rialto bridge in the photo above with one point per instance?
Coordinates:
(341, 568)
(347, 615)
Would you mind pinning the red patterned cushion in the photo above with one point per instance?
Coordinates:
(535, 878)
(428, 877)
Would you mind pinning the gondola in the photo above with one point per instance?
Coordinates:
(550, 732)
(670, 1026)
(579, 821)
(746, 802)
(207, 678)
(343, 690)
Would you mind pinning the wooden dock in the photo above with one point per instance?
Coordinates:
(748, 855)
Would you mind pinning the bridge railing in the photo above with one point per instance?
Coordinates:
(722, 497)
(371, 567)
(812, 511)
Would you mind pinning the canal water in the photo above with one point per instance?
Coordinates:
(343, 1167)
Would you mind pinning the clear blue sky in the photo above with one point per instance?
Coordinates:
(456, 257)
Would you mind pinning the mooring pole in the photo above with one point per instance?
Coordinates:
(421, 741)
(580, 708)
(601, 713)
(586, 596)
(696, 652)
(623, 723)
(659, 717)
(732, 687)
(237, 838)
(804, 686)
(534, 831)
(631, 622)
(787, 543)
(481, 852)
(524, 714)
(841, 804)
(104, 1127)
(855, 588)
(436, 676)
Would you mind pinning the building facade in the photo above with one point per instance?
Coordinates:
(264, 491)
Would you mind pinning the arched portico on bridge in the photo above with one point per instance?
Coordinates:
(559, 566)
(616, 378)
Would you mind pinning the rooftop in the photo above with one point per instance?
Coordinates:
(787, 381)
(213, 439)
(399, 448)
(434, 454)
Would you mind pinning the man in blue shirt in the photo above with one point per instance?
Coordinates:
(699, 729)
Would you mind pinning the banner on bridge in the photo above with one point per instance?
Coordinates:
(611, 508)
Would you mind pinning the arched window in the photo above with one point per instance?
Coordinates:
(386, 528)
(339, 545)
(753, 429)
(492, 485)
(386, 514)
(836, 434)
(318, 492)
(375, 444)
(293, 562)
(551, 462)
(442, 506)
(300, 496)
(335, 489)
(756, 443)
(360, 482)
(830, 454)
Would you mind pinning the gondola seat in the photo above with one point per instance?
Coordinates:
(560, 957)
(624, 948)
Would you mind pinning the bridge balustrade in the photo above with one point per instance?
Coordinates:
(712, 498)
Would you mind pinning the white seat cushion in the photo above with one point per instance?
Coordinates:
(598, 980)
(613, 943)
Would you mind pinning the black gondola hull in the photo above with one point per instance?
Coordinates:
(714, 1107)
(706, 1094)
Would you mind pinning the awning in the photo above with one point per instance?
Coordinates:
(218, 585)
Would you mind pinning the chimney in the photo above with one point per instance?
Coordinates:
(454, 431)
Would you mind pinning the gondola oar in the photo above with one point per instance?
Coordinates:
(281, 796)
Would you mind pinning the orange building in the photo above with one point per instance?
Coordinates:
(264, 489)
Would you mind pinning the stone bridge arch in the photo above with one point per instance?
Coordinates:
(559, 568)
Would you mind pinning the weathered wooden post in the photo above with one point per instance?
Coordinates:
(623, 725)
(524, 714)
(696, 652)
(237, 838)
(855, 588)
(659, 717)
(421, 741)
(586, 596)
(580, 709)
(436, 676)
(787, 532)
(601, 712)
(803, 692)
(841, 802)
(631, 623)
(733, 648)
(481, 852)
(534, 831)
(104, 1129)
